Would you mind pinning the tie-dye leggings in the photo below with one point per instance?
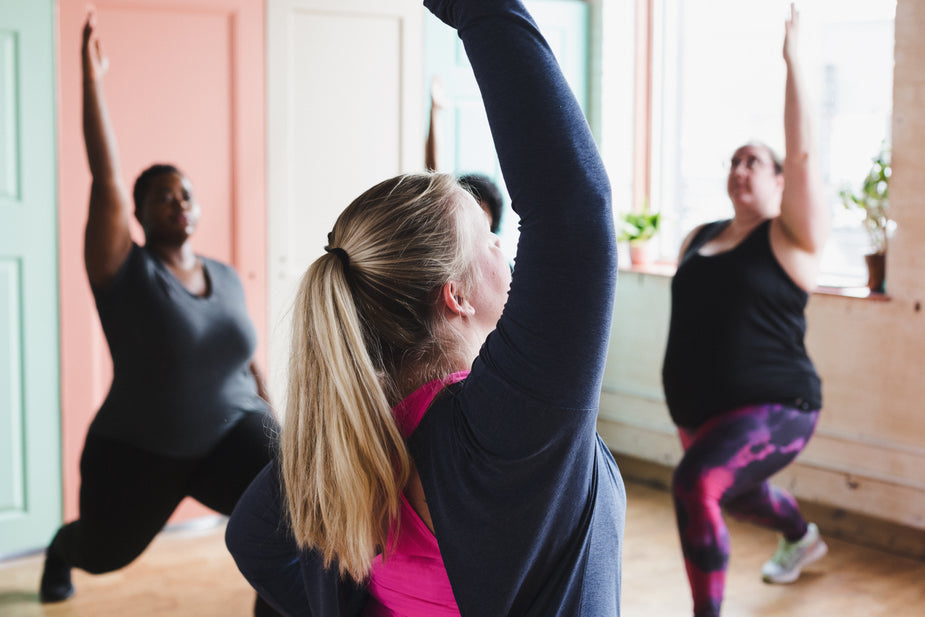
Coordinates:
(726, 464)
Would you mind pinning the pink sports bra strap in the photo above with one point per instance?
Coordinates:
(409, 412)
(413, 582)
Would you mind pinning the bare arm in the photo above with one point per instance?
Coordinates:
(804, 219)
(432, 148)
(262, 390)
(107, 240)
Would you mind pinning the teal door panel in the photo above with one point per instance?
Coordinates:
(30, 435)
(466, 144)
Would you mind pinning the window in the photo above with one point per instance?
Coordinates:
(465, 143)
(718, 81)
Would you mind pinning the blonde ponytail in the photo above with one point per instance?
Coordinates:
(365, 332)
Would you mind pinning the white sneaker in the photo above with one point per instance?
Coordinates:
(791, 557)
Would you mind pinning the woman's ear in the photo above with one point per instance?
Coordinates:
(455, 301)
(139, 215)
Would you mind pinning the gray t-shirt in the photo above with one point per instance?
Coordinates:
(181, 375)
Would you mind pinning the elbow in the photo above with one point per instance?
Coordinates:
(598, 188)
(601, 228)
(594, 229)
(235, 540)
(257, 522)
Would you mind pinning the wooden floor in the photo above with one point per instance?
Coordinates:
(188, 573)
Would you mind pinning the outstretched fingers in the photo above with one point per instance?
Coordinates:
(791, 34)
(95, 62)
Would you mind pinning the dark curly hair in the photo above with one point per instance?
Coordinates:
(486, 192)
(143, 182)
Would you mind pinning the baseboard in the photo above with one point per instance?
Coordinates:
(835, 522)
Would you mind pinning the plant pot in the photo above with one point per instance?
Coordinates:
(642, 253)
(876, 272)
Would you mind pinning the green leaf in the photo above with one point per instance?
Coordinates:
(637, 226)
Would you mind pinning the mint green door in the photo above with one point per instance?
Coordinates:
(30, 435)
(466, 144)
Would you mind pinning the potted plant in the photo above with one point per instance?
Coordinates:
(637, 228)
(874, 203)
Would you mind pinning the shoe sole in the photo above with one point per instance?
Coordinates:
(817, 553)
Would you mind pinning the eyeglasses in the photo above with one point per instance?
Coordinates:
(750, 161)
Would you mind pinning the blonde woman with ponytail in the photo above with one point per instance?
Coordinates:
(439, 455)
(340, 431)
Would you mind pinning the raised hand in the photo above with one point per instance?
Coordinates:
(438, 98)
(95, 62)
(792, 35)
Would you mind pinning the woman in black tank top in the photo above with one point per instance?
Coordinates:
(738, 382)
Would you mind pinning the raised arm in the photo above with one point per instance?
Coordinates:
(552, 338)
(432, 147)
(107, 240)
(804, 219)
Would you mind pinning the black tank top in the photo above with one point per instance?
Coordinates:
(736, 333)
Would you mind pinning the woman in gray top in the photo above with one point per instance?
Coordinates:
(187, 412)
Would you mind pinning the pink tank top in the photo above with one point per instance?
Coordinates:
(413, 581)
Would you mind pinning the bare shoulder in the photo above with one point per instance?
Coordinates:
(688, 239)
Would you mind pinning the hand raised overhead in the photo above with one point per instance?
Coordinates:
(95, 62)
(792, 35)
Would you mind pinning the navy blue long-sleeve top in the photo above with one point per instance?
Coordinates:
(527, 503)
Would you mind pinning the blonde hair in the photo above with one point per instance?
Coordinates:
(365, 333)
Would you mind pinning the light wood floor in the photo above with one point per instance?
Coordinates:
(188, 573)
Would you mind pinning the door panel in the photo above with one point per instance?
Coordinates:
(30, 477)
(185, 86)
(344, 91)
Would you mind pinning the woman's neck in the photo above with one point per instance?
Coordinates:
(439, 367)
(744, 223)
(179, 257)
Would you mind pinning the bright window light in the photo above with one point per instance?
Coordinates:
(719, 82)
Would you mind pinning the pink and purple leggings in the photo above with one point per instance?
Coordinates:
(726, 464)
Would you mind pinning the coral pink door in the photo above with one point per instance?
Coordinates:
(186, 86)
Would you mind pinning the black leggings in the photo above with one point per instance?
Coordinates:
(127, 494)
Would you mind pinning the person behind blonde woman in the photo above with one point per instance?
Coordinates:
(483, 188)
(187, 411)
(440, 453)
(739, 384)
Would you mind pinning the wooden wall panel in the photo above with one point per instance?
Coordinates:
(868, 454)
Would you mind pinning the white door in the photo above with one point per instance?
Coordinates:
(344, 112)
